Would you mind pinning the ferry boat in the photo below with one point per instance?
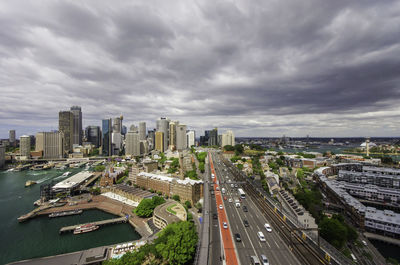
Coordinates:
(30, 183)
(85, 228)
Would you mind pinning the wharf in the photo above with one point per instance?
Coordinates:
(99, 223)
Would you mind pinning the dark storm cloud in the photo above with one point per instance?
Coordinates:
(260, 68)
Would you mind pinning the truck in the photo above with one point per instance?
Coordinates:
(237, 203)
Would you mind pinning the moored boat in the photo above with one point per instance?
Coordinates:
(30, 183)
(85, 228)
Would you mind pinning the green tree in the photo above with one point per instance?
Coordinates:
(240, 166)
(99, 168)
(238, 149)
(176, 198)
(188, 204)
(229, 148)
(333, 231)
(201, 167)
(177, 243)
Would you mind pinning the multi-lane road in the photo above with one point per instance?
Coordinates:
(230, 250)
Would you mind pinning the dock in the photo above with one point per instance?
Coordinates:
(99, 223)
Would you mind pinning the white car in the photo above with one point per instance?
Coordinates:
(264, 260)
(230, 200)
(268, 227)
(225, 225)
(261, 236)
(220, 207)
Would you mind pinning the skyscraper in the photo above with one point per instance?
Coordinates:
(51, 143)
(132, 144)
(93, 135)
(66, 125)
(106, 137)
(117, 124)
(213, 138)
(142, 131)
(190, 138)
(228, 138)
(77, 127)
(163, 126)
(172, 135)
(160, 141)
(11, 138)
(25, 146)
(151, 138)
(181, 143)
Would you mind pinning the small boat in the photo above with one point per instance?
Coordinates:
(65, 213)
(66, 174)
(30, 183)
(85, 228)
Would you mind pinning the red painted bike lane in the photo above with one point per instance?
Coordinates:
(229, 248)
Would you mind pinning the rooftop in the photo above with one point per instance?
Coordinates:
(74, 180)
(170, 179)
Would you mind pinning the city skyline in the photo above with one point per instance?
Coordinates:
(258, 69)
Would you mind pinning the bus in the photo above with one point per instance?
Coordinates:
(242, 194)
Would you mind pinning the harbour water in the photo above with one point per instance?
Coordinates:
(39, 237)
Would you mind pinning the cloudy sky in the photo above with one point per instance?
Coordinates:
(260, 68)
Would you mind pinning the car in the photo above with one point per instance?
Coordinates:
(268, 227)
(254, 260)
(224, 198)
(264, 260)
(215, 216)
(220, 207)
(230, 200)
(261, 236)
(232, 185)
(246, 223)
(364, 242)
(236, 185)
(217, 188)
(245, 208)
(237, 237)
(225, 225)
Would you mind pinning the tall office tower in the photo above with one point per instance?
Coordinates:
(142, 131)
(51, 143)
(116, 139)
(25, 146)
(106, 137)
(77, 127)
(228, 138)
(213, 138)
(66, 125)
(172, 135)
(151, 138)
(132, 144)
(93, 135)
(160, 141)
(190, 138)
(33, 140)
(2, 155)
(11, 138)
(181, 143)
(117, 124)
(163, 126)
(144, 147)
(124, 130)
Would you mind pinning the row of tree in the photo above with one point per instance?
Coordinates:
(175, 245)
(147, 206)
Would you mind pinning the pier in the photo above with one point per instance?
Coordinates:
(99, 223)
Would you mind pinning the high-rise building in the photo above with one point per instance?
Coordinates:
(124, 130)
(181, 143)
(132, 144)
(213, 138)
(117, 124)
(116, 142)
(51, 143)
(172, 135)
(11, 138)
(163, 126)
(93, 135)
(142, 131)
(144, 147)
(160, 141)
(25, 146)
(151, 138)
(228, 138)
(77, 127)
(2, 155)
(190, 138)
(106, 137)
(66, 125)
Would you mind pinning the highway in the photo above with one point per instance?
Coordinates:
(273, 248)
